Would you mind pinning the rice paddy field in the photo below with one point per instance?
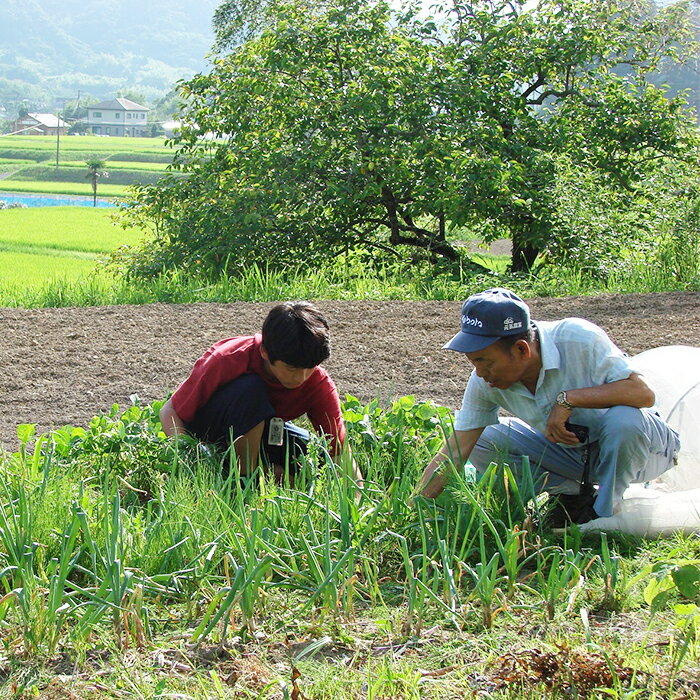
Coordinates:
(45, 244)
(49, 245)
(30, 163)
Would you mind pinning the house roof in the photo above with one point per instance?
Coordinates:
(48, 120)
(120, 103)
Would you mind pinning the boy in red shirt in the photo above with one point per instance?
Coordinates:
(242, 390)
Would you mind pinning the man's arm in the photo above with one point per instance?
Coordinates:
(633, 391)
(171, 422)
(456, 450)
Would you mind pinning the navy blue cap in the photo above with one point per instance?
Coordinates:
(488, 316)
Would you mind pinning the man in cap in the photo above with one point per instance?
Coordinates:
(562, 380)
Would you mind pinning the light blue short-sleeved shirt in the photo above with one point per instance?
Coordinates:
(575, 354)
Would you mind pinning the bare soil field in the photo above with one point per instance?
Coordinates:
(63, 366)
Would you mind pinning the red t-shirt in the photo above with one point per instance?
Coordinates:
(228, 359)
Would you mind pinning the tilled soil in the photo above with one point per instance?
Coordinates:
(63, 366)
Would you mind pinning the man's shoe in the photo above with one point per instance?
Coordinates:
(573, 508)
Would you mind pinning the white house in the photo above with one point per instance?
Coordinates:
(119, 117)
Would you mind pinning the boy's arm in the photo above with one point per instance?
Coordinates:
(171, 422)
(456, 450)
(350, 465)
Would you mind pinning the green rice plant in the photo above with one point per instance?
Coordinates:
(78, 229)
(22, 273)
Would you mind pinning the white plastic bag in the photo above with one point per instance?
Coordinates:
(674, 503)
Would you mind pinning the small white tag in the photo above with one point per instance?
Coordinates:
(275, 435)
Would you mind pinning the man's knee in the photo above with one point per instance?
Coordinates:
(623, 425)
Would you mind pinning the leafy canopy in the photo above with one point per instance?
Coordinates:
(350, 123)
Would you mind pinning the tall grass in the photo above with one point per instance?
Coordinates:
(257, 284)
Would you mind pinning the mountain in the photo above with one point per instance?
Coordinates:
(50, 49)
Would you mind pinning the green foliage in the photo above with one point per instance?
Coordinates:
(602, 232)
(126, 443)
(405, 423)
(356, 124)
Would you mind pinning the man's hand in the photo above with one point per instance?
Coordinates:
(456, 450)
(556, 430)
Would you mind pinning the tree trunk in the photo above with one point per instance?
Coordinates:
(524, 253)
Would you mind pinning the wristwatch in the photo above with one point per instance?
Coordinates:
(563, 401)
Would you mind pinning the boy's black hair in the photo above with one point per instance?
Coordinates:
(297, 333)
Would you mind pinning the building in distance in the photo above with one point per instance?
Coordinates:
(118, 117)
(39, 124)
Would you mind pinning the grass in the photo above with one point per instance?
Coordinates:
(144, 568)
(331, 283)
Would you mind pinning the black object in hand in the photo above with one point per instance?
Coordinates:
(580, 431)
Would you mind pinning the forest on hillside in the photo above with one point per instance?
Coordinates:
(51, 49)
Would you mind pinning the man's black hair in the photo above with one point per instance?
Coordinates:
(507, 342)
(297, 333)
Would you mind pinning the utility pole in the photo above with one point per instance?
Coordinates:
(64, 100)
(58, 132)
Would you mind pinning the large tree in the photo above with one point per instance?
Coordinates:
(350, 123)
